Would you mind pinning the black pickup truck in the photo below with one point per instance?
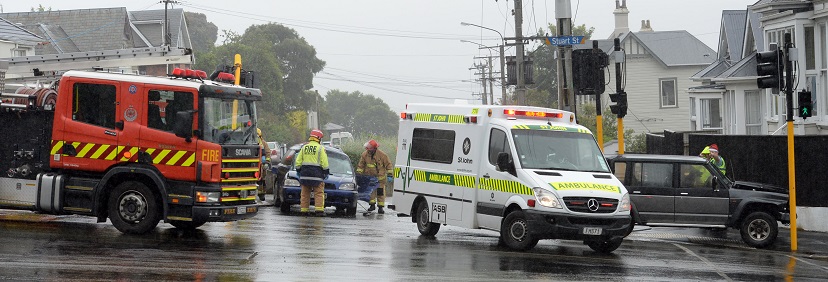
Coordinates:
(688, 191)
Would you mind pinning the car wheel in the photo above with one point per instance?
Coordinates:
(187, 225)
(284, 207)
(133, 208)
(514, 230)
(425, 227)
(759, 229)
(605, 247)
(351, 211)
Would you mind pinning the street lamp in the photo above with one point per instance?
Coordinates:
(502, 60)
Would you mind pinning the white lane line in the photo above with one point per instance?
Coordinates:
(713, 266)
(811, 263)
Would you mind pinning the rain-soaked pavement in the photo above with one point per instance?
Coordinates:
(276, 247)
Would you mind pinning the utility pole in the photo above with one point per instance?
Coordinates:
(563, 16)
(503, 100)
(166, 38)
(491, 83)
(521, 85)
(481, 70)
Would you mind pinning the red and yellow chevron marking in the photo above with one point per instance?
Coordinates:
(118, 153)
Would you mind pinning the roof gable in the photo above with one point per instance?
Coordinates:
(149, 25)
(674, 48)
(732, 34)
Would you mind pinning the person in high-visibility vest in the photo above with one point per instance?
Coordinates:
(312, 167)
(711, 153)
(265, 172)
(374, 162)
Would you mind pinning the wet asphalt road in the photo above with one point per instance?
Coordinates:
(276, 247)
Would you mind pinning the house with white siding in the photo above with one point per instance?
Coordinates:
(658, 65)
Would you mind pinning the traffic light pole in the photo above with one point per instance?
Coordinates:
(599, 119)
(618, 89)
(791, 162)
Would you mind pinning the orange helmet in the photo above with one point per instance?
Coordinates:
(316, 133)
(371, 144)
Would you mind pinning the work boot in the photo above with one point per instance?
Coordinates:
(381, 211)
(372, 207)
(319, 213)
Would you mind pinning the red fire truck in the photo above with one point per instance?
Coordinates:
(97, 144)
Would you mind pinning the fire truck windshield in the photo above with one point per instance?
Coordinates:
(228, 121)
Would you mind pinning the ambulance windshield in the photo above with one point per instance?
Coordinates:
(558, 150)
(229, 121)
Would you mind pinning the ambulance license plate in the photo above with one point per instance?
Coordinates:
(241, 210)
(593, 231)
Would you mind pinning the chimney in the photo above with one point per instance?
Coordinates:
(622, 19)
(645, 26)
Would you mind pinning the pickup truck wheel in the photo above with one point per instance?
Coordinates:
(284, 207)
(514, 230)
(133, 208)
(187, 225)
(759, 229)
(605, 247)
(425, 227)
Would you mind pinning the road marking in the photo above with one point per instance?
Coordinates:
(810, 263)
(705, 261)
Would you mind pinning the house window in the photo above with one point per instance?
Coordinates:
(753, 113)
(811, 81)
(810, 55)
(668, 92)
(711, 113)
(822, 49)
(20, 52)
(693, 114)
(730, 112)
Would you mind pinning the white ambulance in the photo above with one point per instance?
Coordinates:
(530, 173)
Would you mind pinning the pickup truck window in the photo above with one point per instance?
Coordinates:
(652, 175)
(695, 176)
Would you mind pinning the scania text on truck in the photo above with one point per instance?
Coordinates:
(529, 173)
(134, 149)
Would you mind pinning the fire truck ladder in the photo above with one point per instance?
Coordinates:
(50, 67)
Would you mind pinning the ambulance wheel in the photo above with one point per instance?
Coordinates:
(515, 233)
(187, 225)
(425, 227)
(605, 247)
(133, 208)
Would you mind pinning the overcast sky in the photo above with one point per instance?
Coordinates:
(411, 51)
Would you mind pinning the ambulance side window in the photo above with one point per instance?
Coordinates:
(94, 104)
(432, 145)
(497, 144)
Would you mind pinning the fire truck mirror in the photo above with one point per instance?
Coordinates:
(183, 126)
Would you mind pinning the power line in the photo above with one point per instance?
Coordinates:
(398, 91)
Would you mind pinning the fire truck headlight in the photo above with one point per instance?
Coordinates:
(208, 197)
(625, 203)
(546, 198)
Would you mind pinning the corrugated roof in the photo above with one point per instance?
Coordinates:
(733, 28)
(675, 48)
(756, 30)
(14, 33)
(744, 68)
(88, 29)
(711, 71)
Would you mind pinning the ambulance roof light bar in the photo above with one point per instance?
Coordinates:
(511, 112)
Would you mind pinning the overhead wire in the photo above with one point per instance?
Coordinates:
(398, 91)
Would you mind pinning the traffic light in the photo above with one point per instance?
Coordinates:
(588, 71)
(770, 66)
(805, 104)
(620, 100)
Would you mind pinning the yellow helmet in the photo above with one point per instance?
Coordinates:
(706, 150)
(259, 131)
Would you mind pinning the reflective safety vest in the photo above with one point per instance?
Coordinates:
(719, 165)
(312, 154)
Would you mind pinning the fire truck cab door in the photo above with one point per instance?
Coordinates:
(173, 156)
(131, 105)
(86, 134)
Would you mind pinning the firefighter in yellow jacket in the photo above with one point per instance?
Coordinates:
(374, 162)
(312, 167)
(265, 171)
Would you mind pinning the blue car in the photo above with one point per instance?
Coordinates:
(340, 187)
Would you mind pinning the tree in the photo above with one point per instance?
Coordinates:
(633, 143)
(40, 8)
(203, 34)
(546, 68)
(361, 113)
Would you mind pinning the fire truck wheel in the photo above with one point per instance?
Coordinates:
(133, 208)
(187, 225)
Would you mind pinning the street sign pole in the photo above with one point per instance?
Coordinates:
(791, 162)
